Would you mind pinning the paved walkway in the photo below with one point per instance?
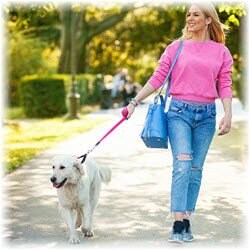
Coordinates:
(133, 208)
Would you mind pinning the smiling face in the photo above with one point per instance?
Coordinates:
(196, 20)
(66, 169)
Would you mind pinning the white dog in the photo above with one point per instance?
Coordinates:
(78, 189)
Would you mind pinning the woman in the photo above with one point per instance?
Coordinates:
(201, 74)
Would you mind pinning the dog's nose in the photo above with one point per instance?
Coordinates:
(53, 179)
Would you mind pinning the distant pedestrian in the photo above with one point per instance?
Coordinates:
(201, 74)
(129, 89)
(119, 80)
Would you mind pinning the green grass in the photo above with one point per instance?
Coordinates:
(18, 113)
(26, 138)
(14, 113)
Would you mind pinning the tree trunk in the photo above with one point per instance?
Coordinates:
(82, 42)
(81, 60)
(64, 62)
(84, 32)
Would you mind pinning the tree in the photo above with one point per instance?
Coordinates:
(138, 41)
(234, 16)
(85, 30)
(108, 37)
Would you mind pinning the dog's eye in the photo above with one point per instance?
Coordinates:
(62, 167)
(53, 167)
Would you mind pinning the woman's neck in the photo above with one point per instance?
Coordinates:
(200, 37)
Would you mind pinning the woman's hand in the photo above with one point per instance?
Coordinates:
(225, 125)
(143, 93)
(131, 109)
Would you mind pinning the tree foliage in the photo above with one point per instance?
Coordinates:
(80, 24)
(234, 16)
(114, 36)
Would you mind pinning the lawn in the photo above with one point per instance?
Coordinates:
(24, 139)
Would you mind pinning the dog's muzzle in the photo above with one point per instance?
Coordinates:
(56, 184)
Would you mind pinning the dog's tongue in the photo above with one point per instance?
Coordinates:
(56, 185)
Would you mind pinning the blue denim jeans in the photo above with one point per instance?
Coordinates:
(191, 128)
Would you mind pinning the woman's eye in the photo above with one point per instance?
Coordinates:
(62, 167)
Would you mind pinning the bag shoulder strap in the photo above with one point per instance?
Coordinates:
(170, 70)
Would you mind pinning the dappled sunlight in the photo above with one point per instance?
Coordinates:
(134, 207)
(211, 217)
(228, 216)
(87, 44)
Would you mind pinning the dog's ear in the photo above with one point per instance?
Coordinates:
(77, 164)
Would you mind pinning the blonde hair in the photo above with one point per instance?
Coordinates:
(216, 29)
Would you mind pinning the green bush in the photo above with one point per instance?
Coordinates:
(97, 86)
(87, 88)
(30, 51)
(43, 97)
(88, 85)
(83, 90)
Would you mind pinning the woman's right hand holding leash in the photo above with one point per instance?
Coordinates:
(134, 102)
(131, 109)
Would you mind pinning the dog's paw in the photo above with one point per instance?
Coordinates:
(87, 232)
(74, 240)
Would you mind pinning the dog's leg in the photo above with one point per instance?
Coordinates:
(94, 194)
(86, 228)
(78, 218)
(68, 216)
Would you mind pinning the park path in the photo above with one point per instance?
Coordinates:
(133, 208)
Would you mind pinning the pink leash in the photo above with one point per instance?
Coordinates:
(124, 114)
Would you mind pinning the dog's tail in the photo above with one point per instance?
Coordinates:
(105, 174)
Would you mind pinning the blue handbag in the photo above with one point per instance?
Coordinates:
(155, 130)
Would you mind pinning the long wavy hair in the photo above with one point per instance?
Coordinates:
(216, 29)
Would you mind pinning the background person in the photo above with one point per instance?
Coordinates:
(119, 80)
(129, 89)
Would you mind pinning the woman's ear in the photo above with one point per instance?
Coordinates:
(77, 164)
(208, 20)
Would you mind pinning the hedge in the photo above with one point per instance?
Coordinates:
(51, 99)
(42, 97)
(88, 85)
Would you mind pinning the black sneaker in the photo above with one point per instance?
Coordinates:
(176, 235)
(187, 233)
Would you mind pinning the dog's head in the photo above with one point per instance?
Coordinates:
(66, 169)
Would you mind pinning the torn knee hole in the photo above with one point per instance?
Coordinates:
(196, 169)
(184, 157)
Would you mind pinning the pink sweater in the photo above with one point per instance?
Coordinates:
(199, 66)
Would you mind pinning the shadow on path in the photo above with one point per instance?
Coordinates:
(133, 210)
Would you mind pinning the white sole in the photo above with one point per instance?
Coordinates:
(175, 241)
(188, 240)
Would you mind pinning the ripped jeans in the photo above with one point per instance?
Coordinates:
(191, 128)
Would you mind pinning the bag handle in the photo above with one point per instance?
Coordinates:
(169, 72)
